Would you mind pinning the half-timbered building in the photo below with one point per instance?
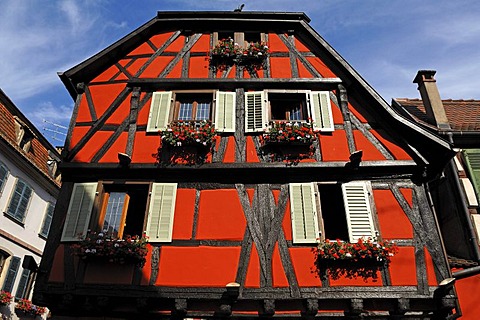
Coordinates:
(237, 142)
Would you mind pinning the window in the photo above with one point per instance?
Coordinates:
(287, 106)
(47, 220)
(3, 176)
(343, 211)
(11, 274)
(23, 134)
(122, 211)
(191, 106)
(217, 106)
(262, 107)
(17, 208)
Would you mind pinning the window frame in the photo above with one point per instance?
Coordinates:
(317, 108)
(14, 215)
(164, 110)
(104, 205)
(93, 218)
(320, 227)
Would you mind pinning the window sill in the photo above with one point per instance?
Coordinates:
(20, 223)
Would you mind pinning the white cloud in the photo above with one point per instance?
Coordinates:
(46, 116)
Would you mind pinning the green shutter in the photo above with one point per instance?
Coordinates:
(47, 221)
(304, 213)
(255, 117)
(3, 176)
(17, 208)
(161, 211)
(321, 110)
(22, 285)
(472, 159)
(159, 111)
(79, 211)
(11, 274)
(225, 111)
(358, 211)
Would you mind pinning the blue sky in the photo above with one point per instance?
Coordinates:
(385, 41)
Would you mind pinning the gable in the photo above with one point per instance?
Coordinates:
(362, 121)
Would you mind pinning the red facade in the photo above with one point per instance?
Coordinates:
(239, 211)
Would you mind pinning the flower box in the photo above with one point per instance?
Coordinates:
(227, 53)
(26, 307)
(352, 260)
(289, 132)
(188, 133)
(99, 246)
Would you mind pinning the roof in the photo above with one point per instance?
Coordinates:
(41, 150)
(463, 115)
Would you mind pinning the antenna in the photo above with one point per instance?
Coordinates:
(55, 131)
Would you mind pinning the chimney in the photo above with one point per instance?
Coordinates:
(431, 98)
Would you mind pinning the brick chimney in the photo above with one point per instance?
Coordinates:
(427, 85)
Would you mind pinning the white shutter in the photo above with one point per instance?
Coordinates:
(225, 111)
(79, 211)
(358, 211)
(304, 213)
(161, 211)
(255, 115)
(159, 111)
(321, 109)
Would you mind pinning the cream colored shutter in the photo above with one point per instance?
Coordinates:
(304, 213)
(358, 211)
(161, 211)
(255, 117)
(225, 111)
(321, 109)
(159, 111)
(79, 211)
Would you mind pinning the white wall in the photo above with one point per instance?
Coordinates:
(27, 232)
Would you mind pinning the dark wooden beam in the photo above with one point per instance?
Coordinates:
(261, 172)
(153, 84)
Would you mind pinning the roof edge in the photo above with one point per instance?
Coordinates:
(267, 15)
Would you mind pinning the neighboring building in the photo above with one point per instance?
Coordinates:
(231, 228)
(456, 193)
(29, 186)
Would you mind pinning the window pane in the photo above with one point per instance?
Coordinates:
(203, 111)
(287, 106)
(185, 112)
(296, 113)
(113, 214)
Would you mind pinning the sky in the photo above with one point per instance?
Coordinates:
(387, 42)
